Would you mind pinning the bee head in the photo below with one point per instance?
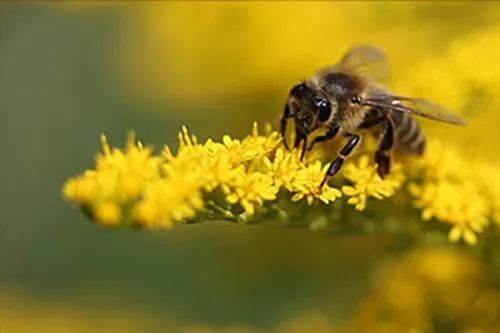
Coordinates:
(309, 108)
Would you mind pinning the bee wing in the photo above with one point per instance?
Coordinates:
(417, 106)
(367, 61)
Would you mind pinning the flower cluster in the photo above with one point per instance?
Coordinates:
(366, 182)
(232, 180)
(242, 180)
(119, 178)
(457, 190)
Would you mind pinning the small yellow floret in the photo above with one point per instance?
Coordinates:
(283, 166)
(306, 184)
(250, 191)
(108, 214)
(81, 189)
(367, 183)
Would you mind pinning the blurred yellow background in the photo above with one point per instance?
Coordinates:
(70, 71)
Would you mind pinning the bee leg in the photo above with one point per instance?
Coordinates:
(298, 139)
(304, 148)
(383, 153)
(284, 118)
(336, 165)
(328, 135)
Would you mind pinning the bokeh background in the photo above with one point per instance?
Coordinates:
(70, 71)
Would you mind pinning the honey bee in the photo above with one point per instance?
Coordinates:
(345, 98)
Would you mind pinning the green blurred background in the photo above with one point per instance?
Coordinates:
(71, 71)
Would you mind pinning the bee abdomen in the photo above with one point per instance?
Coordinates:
(409, 135)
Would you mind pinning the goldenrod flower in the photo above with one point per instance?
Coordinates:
(367, 183)
(250, 190)
(283, 166)
(136, 187)
(107, 213)
(118, 179)
(456, 190)
(305, 185)
(244, 179)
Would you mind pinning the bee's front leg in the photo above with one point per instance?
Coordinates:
(304, 147)
(328, 135)
(336, 165)
(284, 119)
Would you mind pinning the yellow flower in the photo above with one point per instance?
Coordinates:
(367, 183)
(306, 183)
(256, 146)
(250, 190)
(460, 204)
(118, 179)
(119, 174)
(457, 190)
(283, 167)
(81, 189)
(235, 179)
(165, 201)
(489, 176)
(107, 213)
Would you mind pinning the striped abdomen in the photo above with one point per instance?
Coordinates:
(408, 133)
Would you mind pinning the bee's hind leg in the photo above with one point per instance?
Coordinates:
(383, 153)
(336, 165)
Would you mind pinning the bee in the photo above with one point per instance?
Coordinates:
(346, 98)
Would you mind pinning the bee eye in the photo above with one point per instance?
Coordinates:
(323, 107)
(298, 89)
